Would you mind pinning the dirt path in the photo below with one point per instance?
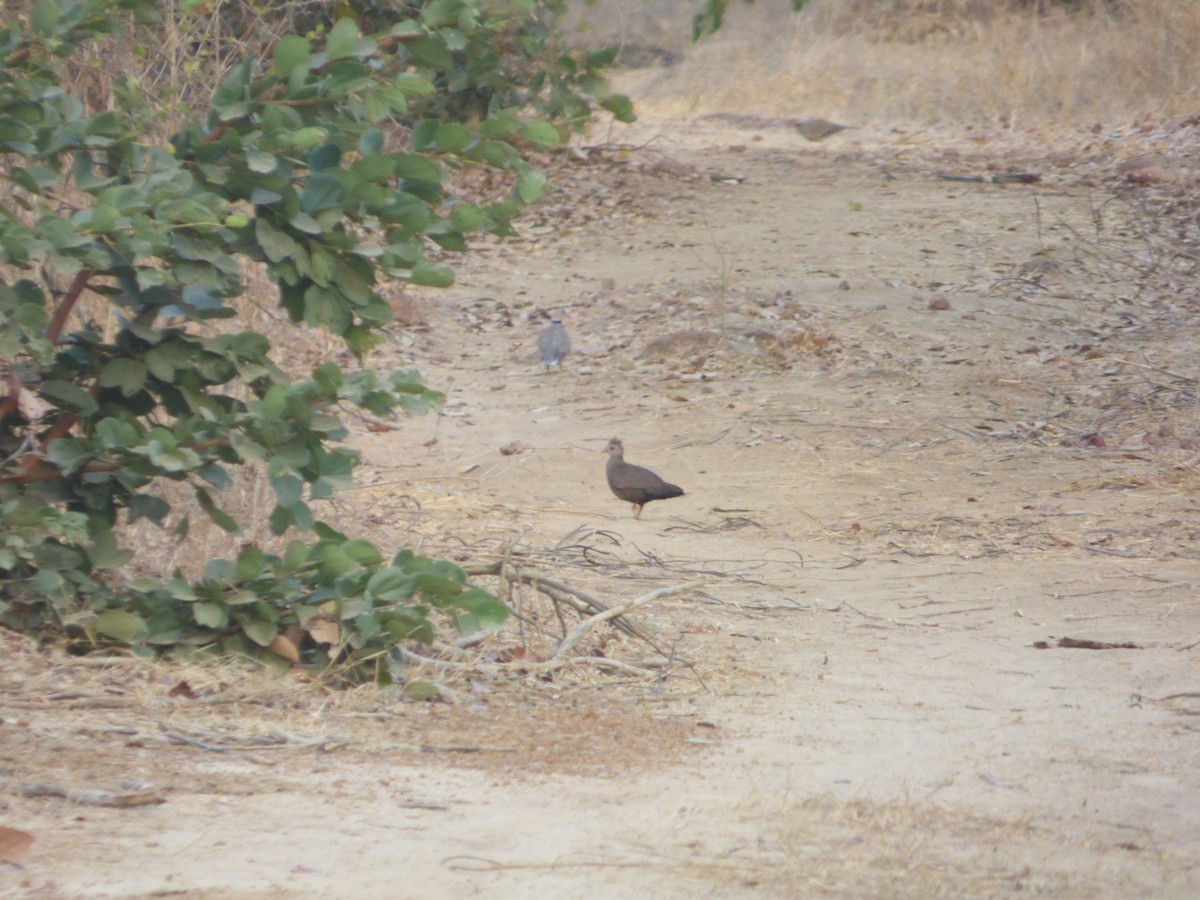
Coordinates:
(890, 506)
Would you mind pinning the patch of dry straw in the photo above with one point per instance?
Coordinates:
(1008, 65)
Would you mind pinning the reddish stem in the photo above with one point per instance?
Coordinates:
(59, 320)
(51, 474)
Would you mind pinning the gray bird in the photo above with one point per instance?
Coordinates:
(633, 483)
(819, 129)
(553, 342)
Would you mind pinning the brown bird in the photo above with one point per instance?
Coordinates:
(819, 129)
(633, 483)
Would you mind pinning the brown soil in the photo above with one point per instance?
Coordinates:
(927, 429)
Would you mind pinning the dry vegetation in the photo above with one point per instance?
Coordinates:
(1111, 287)
(955, 63)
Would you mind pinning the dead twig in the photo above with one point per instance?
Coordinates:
(555, 587)
(87, 798)
(560, 592)
(600, 662)
(954, 612)
(583, 627)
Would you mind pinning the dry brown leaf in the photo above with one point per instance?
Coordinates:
(283, 647)
(517, 654)
(183, 689)
(13, 843)
(324, 630)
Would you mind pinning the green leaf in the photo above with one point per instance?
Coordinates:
(467, 217)
(371, 141)
(45, 17)
(173, 459)
(127, 374)
(250, 563)
(261, 631)
(432, 52)
(117, 624)
(377, 167)
(342, 38)
(450, 137)
(106, 554)
(274, 401)
(219, 517)
(432, 275)
(68, 454)
(274, 243)
(288, 489)
(408, 624)
(363, 552)
(620, 106)
(302, 221)
(481, 612)
(280, 519)
(114, 434)
(215, 475)
(262, 162)
(160, 361)
(69, 396)
(323, 191)
(391, 585)
(541, 133)
(291, 52)
(377, 107)
(417, 168)
(500, 124)
(231, 112)
(359, 340)
(531, 186)
(304, 138)
(420, 689)
(327, 156)
(326, 306)
(414, 85)
(144, 506)
(210, 615)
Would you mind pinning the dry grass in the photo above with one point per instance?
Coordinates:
(76, 713)
(945, 63)
(904, 849)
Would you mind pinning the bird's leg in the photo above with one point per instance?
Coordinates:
(637, 507)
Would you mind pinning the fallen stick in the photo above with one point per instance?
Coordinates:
(599, 662)
(953, 612)
(583, 627)
(535, 580)
(75, 795)
(561, 592)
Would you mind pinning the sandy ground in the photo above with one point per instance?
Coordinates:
(927, 429)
